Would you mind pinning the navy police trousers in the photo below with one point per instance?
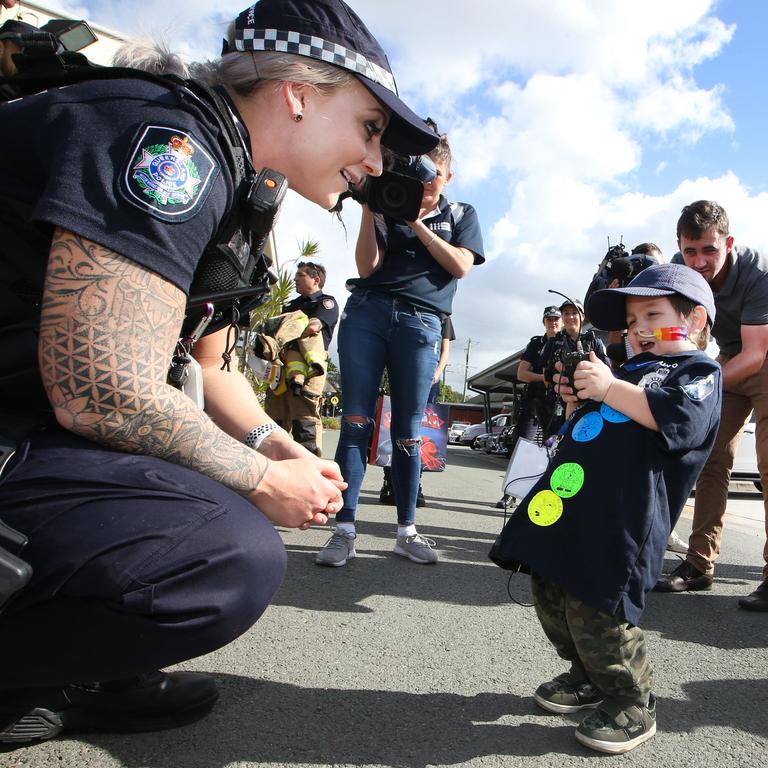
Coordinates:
(138, 564)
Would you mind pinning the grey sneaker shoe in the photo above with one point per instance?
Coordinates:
(615, 730)
(676, 544)
(416, 548)
(337, 550)
(563, 695)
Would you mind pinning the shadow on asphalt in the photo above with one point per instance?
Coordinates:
(377, 572)
(678, 616)
(470, 506)
(259, 722)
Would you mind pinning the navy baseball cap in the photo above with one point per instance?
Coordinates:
(329, 30)
(572, 303)
(552, 311)
(607, 308)
(13, 28)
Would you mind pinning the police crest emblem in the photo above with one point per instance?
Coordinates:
(168, 173)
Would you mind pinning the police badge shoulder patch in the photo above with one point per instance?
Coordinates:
(700, 388)
(168, 173)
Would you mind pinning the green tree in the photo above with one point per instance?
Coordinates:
(448, 395)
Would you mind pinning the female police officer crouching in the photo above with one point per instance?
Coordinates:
(149, 521)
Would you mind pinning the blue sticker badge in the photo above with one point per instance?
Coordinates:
(167, 173)
(612, 415)
(588, 427)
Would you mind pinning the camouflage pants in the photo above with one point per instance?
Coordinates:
(603, 649)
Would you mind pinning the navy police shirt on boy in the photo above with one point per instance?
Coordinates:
(596, 523)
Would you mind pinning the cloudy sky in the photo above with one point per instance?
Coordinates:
(572, 122)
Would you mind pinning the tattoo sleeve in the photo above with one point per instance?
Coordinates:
(108, 329)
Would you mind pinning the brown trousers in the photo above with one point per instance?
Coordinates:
(299, 415)
(712, 485)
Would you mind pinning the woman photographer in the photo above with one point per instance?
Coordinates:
(408, 276)
(150, 522)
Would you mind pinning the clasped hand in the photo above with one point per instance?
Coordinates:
(299, 492)
(592, 379)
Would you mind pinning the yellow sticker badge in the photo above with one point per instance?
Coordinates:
(545, 508)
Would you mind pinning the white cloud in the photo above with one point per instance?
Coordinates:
(549, 107)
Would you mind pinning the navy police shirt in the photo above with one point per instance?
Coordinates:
(129, 164)
(597, 522)
(409, 271)
(532, 354)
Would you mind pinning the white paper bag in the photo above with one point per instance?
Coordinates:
(526, 465)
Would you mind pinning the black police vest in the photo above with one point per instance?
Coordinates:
(233, 265)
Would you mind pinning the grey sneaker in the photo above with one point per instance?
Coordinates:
(563, 695)
(615, 730)
(416, 548)
(337, 550)
(676, 544)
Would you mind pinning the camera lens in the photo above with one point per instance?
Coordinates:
(394, 195)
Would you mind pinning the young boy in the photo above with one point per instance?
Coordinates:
(593, 530)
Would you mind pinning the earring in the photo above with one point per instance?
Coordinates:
(298, 117)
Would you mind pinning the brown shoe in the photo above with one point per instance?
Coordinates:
(685, 578)
(757, 600)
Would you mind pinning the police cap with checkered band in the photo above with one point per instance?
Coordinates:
(331, 31)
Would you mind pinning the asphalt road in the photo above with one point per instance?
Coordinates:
(389, 663)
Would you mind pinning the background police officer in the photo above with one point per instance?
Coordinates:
(298, 411)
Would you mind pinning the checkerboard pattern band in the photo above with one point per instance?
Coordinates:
(315, 47)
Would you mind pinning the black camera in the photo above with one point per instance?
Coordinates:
(398, 191)
(570, 360)
(619, 265)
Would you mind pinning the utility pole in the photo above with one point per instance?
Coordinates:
(466, 371)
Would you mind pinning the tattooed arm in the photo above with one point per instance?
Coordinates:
(107, 332)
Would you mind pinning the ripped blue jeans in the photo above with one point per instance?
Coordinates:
(378, 331)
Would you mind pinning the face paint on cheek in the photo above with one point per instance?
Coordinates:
(675, 333)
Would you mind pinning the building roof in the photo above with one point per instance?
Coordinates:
(499, 379)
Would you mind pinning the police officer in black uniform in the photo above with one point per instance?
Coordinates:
(298, 411)
(569, 340)
(150, 522)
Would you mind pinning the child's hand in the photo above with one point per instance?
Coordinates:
(593, 379)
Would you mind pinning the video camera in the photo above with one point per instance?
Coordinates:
(398, 191)
(619, 265)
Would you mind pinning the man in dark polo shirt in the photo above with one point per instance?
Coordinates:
(738, 277)
(298, 412)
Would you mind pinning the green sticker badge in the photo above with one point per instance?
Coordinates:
(545, 508)
(567, 480)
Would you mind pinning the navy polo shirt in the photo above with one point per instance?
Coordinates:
(597, 522)
(130, 164)
(319, 305)
(743, 299)
(408, 269)
(532, 354)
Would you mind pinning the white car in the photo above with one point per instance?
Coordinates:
(745, 461)
(455, 430)
(470, 434)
